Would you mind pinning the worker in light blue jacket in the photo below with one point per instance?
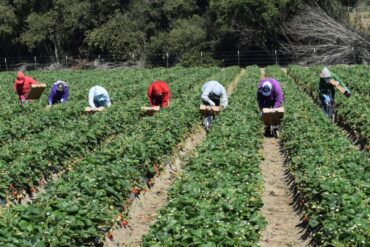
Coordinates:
(98, 97)
(214, 94)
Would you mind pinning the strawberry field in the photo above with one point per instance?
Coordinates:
(68, 178)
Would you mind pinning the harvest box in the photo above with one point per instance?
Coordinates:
(272, 116)
(149, 111)
(209, 110)
(93, 110)
(35, 91)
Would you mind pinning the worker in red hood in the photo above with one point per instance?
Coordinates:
(159, 94)
(22, 85)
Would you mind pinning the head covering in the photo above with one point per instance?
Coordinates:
(157, 89)
(325, 74)
(266, 88)
(60, 85)
(101, 98)
(20, 77)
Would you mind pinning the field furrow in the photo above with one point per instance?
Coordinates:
(329, 175)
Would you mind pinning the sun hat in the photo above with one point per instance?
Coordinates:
(20, 77)
(325, 74)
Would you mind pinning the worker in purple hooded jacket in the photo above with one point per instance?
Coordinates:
(59, 93)
(269, 94)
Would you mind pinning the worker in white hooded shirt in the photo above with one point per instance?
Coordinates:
(214, 94)
(98, 97)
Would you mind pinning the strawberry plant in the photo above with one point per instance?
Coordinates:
(30, 163)
(81, 207)
(329, 173)
(217, 199)
(351, 113)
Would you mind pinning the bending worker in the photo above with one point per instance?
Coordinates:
(59, 93)
(159, 94)
(22, 86)
(98, 97)
(327, 84)
(269, 95)
(214, 94)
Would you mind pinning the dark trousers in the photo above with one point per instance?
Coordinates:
(214, 99)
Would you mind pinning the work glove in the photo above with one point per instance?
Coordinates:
(212, 103)
(326, 99)
(347, 92)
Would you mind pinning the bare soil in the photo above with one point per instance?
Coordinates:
(143, 212)
(282, 221)
(282, 228)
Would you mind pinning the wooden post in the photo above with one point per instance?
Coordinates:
(276, 60)
(6, 64)
(238, 58)
(167, 60)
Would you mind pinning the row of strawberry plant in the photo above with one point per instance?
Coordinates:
(351, 113)
(330, 175)
(64, 126)
(55, 150)
(35, 119)
(217, 199)
(78, 209)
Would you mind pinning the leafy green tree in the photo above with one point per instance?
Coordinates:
(120, 37)
(58, 29)
(8, 22)
(187, 34)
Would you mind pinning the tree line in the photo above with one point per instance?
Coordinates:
(147, 28)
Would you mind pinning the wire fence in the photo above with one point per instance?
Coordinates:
(224, 59)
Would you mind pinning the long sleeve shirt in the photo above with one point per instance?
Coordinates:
(96, 92)
(22, 88)
(56, 96)
(275, 99)
(159, 94)
(326, 87)
(214, 88)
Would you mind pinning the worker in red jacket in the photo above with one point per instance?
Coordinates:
(22, 85)
(159, 94)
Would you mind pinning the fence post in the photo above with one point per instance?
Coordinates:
(167, 59)
(354, 54)
(201, 57)
(66, 61)
(6, 64)
(238, 58)
(34, 58)
(276, 60)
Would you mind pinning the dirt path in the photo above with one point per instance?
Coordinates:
(277, 199)
(234, 83)
(143, 211)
